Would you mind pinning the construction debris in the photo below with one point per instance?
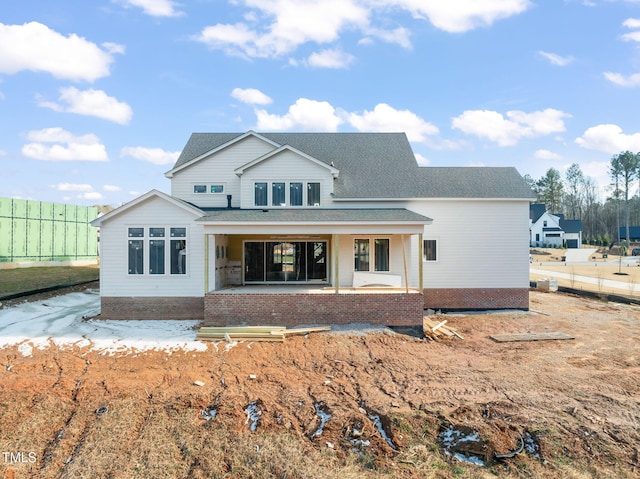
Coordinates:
(504, 338)
(253, 333)
(437, 330)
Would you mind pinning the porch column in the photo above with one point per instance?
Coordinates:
(209, 262)
(420, 265)
(404, 260)
(335, 252)
(206, 263)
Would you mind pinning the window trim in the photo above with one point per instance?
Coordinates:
(287, 193)
(168, 238)
(372, 253)
(208, 187)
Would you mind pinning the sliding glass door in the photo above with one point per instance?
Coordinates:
(285, 261)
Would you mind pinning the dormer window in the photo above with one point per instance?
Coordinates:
(313, 194)
(277, 194)
(282, 194)
(295, 194)
(260, 194)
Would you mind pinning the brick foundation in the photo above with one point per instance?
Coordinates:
(152, 308)
(397, 309)
(490, 298)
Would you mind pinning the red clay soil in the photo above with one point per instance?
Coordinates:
(574, 403)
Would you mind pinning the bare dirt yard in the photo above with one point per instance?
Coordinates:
(341, 404)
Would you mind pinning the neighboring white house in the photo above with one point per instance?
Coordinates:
(549, 230)
(315, 227)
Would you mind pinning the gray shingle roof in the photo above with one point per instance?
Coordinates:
(571, 226)
(316, 215)
(380, 165)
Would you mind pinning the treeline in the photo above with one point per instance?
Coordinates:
(578, 197)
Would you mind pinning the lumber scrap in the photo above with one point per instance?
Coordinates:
(315, 329)
(503, 338)
(252, 333)
(438, 330)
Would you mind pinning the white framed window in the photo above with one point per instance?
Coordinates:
(213, 188)
(371, 254)
(430, 250)
(149, 253)
(286, 193)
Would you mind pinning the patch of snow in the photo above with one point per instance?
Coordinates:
(60, 321)
(25, 349)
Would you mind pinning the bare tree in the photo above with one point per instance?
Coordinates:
(624, 170)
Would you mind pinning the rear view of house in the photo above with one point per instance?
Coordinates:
(294, 228)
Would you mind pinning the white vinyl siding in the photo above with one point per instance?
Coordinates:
(465, 230)
(486, 243)
(115, 279)
(218, 170)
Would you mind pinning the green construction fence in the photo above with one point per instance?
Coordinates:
(38, 231)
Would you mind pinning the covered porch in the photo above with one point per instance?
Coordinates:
(314, 266)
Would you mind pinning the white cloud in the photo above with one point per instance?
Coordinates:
(35, 47)
(385, 118)
(293, 23)
(111, 188)
(274, 28)
(400, 36)
(92, 103)
(331, 58)
(631, 37)
(73, 187)
(508, 131)
(251, 96)
(155, 8)
(56, 144)
(305, 114)
(598, 170)
(632, 23)
(458, 16)
(608, 138)
(547, 155)
(556, 59)
(623, 80)
(157, 156)
(91, 195)
(85, 191)
(422, 160)
(114, 48)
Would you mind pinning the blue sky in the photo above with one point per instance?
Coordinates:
(97, 98)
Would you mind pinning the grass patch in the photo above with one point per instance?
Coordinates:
(21, 280)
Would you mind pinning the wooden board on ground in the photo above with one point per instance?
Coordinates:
(438, 329)
(504, 338)
(253, 333)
